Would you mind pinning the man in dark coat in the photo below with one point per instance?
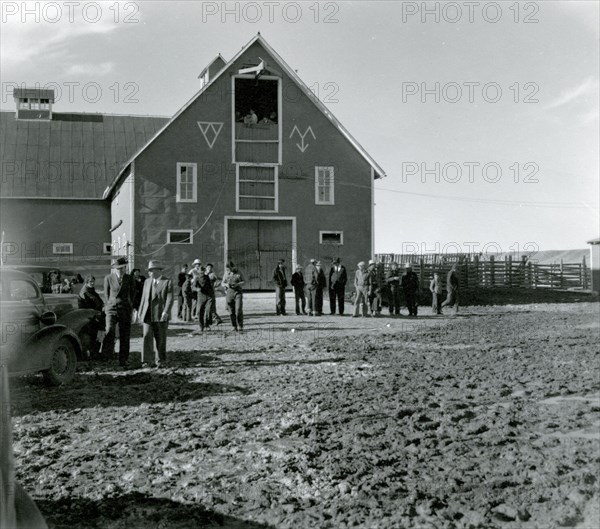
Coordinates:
(392, 278)
(452, 285)
(298, 284)
(316, 286)
(154, 313)
(280, 280)
(181, 278)
(138, 281)
(410, 286)
(337, 286)
(119, 290)
(205, 292)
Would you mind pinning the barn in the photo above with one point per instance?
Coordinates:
(254, 168)
(54, 171)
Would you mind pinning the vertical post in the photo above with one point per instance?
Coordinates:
(508, 270)
(562, 279)
(492, 271)
(529, 274)
(584, 282)
(535, 275)
(476, 270)
(421, 273)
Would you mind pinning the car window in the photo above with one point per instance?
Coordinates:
(21, 289)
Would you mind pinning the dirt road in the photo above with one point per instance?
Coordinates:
(484, 420)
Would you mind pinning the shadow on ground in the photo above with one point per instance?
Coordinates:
(106, 390)
(135, 511)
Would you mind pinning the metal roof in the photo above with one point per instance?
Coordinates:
(379, 172)
(34, 93)
(69, 156)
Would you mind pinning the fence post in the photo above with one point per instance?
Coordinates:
(508, 270)
(421, 273)
(535, 275)
(492, 271)
(562, 280)
(528, 281)
(584, 282)
(476, 270)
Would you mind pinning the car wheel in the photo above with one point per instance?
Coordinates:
(64, 363)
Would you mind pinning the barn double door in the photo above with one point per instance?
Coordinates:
(255, 246)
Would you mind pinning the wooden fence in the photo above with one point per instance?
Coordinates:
(476, 272)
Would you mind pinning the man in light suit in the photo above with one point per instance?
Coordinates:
(119, 289)
(154, 313)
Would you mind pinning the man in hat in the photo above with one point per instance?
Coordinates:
(316, 286)
(452, 285)
(375, 288)
(119, 290)
(393, 289)
(205, 293)
(181, 278)
(410, 286)
(154, 313)
(280, 280)
(361, 285)
(298, 285)
(195, 271)
(209, 270)
(337, 286)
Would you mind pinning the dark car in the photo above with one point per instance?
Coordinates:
(32, 338)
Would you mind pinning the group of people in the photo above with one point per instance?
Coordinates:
(197, 295)
(371, 286)
(132, 298)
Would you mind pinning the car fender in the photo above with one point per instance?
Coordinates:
(79, 318)
(39, 348)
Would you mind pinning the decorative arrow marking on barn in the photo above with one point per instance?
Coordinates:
(214, 127)
(304, 146)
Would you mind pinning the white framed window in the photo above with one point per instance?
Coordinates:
(107, 248)
(24, 104)
(180, 236)
(331, 237)
(187, 182)
(256, 188)
(324, 190)
(45, 104)
(62, 248)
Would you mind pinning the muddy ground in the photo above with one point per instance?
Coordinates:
(488, 419)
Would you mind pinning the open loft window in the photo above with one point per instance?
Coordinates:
(257, 127)
(256, 101)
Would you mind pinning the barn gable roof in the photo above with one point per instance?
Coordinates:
(69, 156)
(378, 171)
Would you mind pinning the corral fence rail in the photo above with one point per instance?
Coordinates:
(476, 271)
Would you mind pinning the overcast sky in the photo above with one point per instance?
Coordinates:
(512, 87)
